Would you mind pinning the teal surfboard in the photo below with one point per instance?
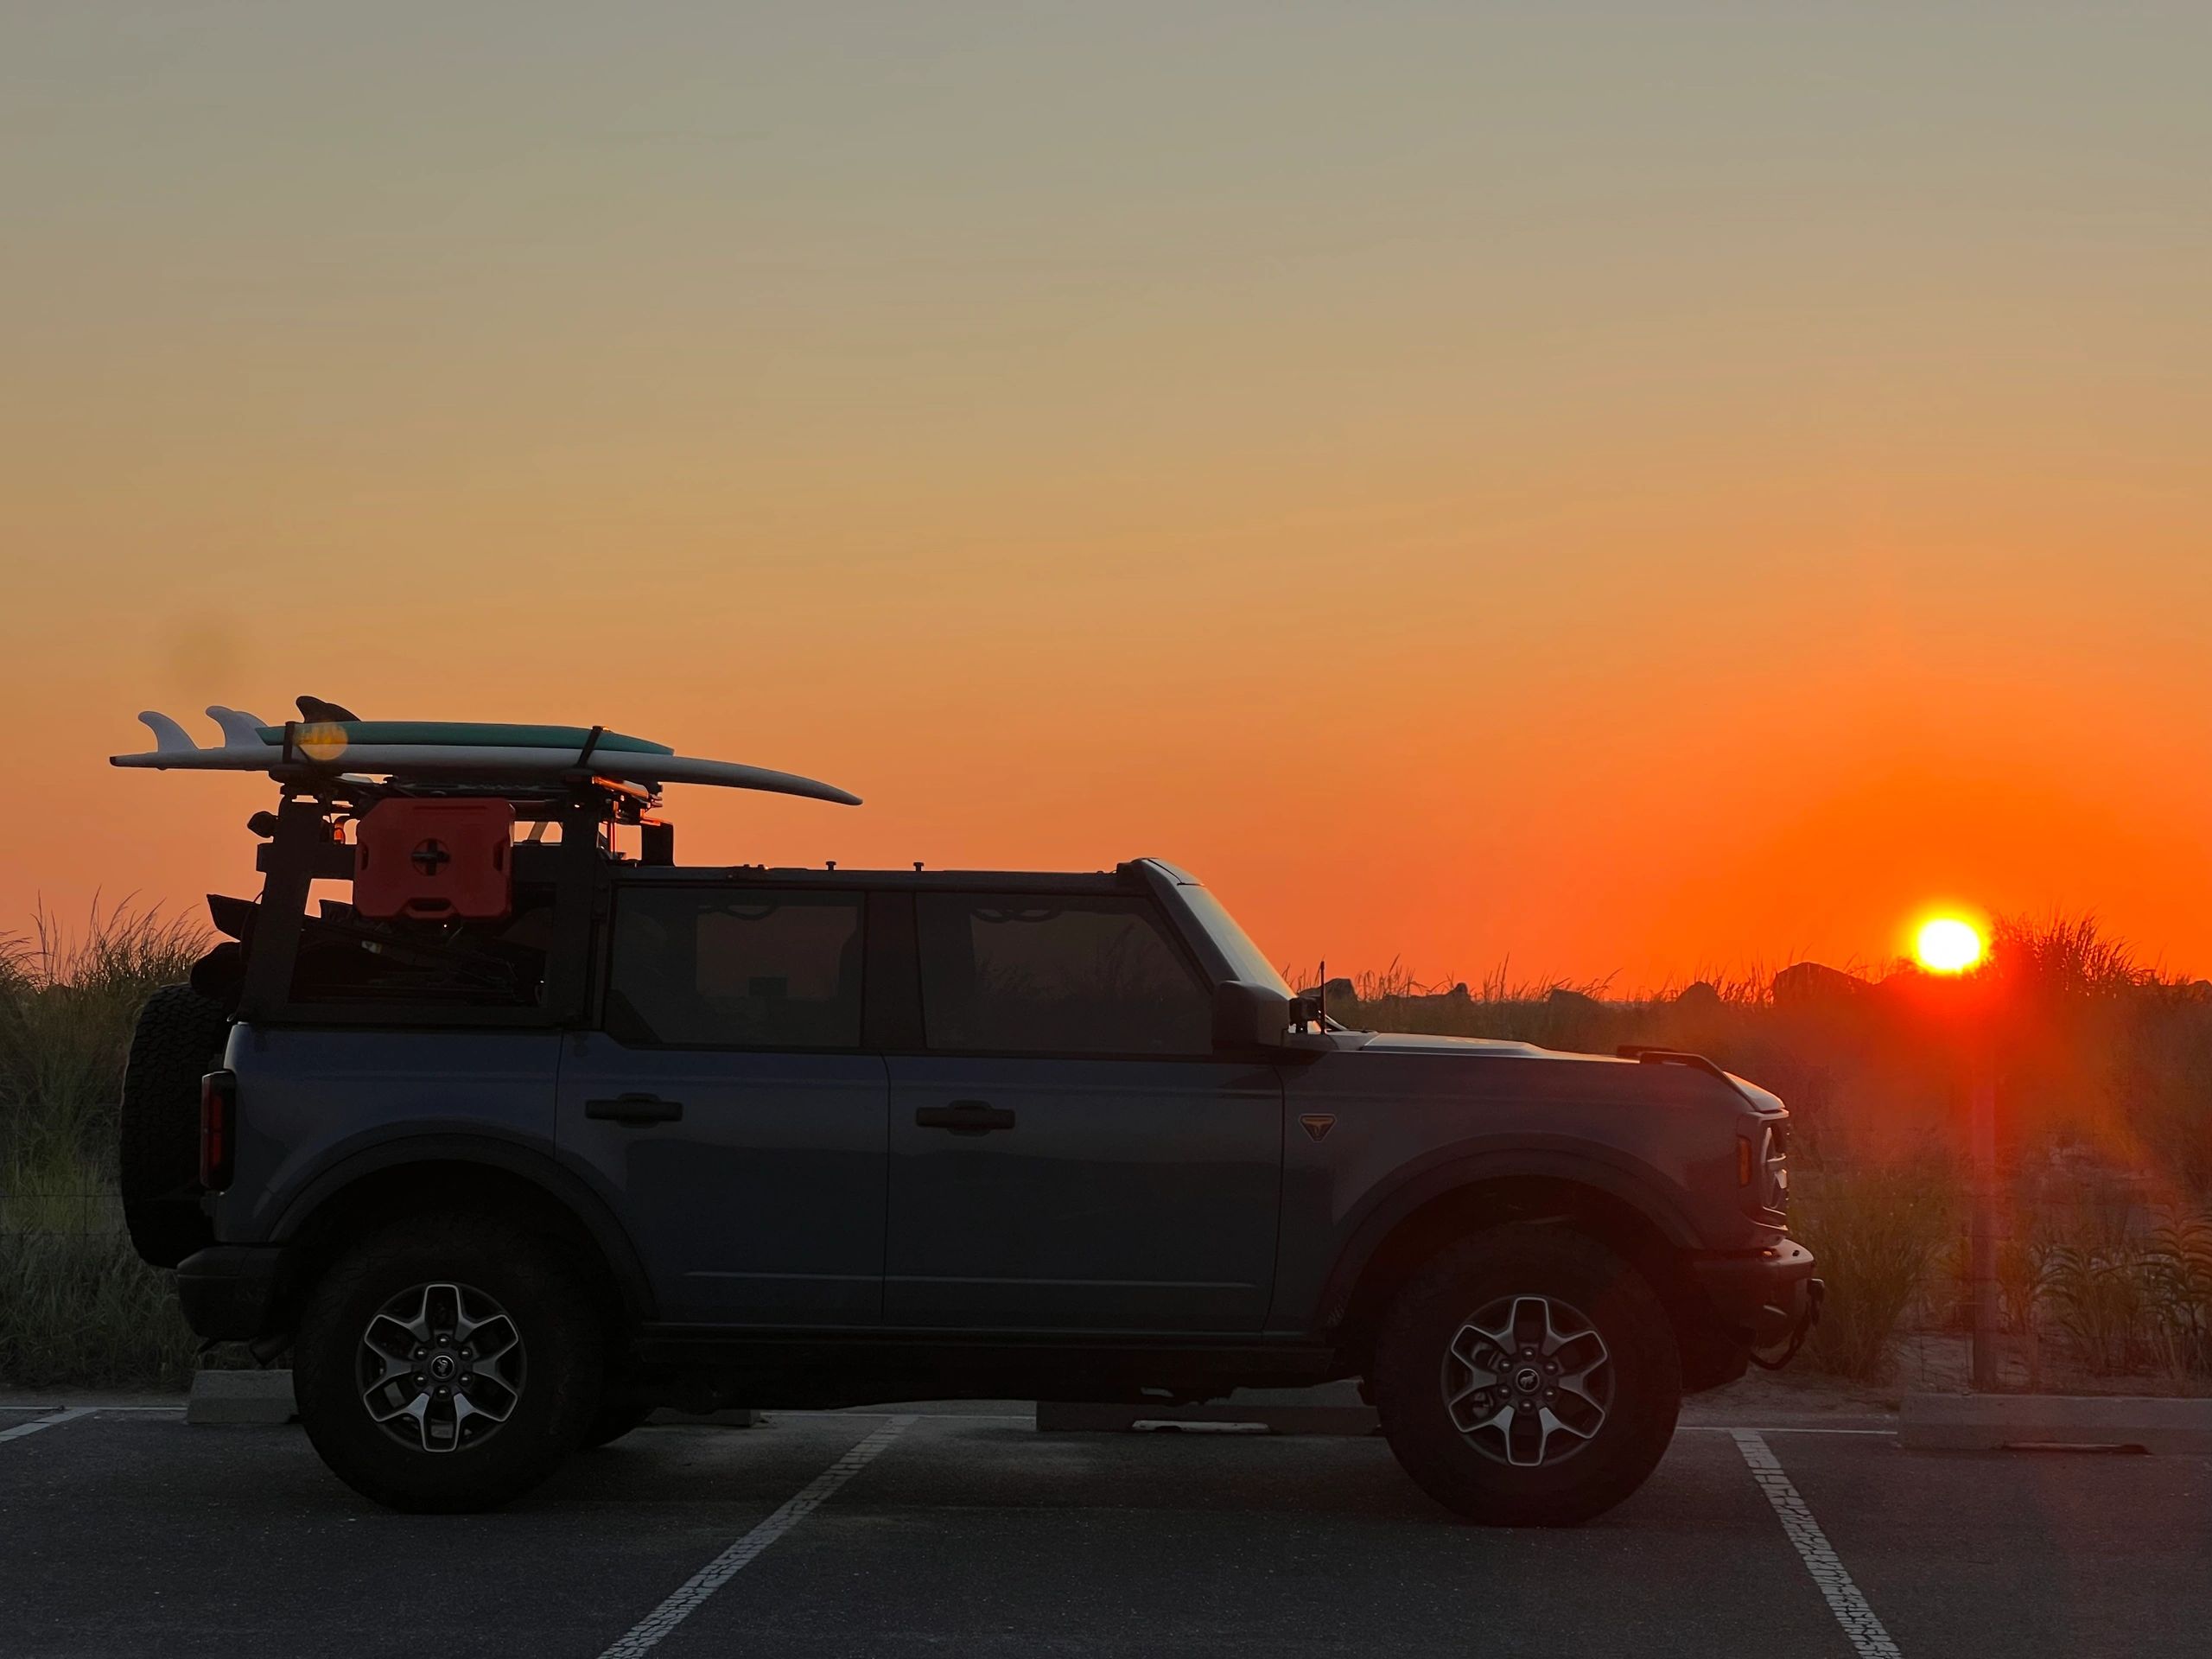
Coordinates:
(474, 732)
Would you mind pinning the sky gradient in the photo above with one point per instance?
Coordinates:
(1634, 498)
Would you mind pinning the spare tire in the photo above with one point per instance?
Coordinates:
(179, 1040)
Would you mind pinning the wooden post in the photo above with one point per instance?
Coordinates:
(1982, 1122)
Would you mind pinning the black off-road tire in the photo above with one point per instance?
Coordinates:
(535, 1286)
(179, 1040)
(1470, 1474)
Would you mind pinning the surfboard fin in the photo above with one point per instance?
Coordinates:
(240, 730)
(169, 738)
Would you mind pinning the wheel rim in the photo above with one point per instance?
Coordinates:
(1528, 1381)
(440, 1367)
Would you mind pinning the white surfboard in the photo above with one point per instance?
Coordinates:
(323, 750)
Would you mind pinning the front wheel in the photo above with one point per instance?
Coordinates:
(1528, 1377)
(447, 1364)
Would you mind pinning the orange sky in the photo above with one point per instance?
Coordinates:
(1633, 501)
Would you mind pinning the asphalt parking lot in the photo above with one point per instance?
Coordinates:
(966, 1531)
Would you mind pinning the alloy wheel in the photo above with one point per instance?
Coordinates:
(440, 1367)
(1528, 1381)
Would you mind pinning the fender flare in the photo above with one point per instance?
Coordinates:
(1562, 1159)
(514, 1158)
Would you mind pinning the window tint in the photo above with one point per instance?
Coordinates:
(705, 967)
(1051, 974)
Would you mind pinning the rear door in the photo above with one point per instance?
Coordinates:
(1067, 1154)
(726, 1106)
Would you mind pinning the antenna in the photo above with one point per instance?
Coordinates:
(1321, 998)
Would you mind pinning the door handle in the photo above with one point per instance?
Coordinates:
(635, 1108)
(964, 1117)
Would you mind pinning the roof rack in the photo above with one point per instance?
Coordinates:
(1654, 1054)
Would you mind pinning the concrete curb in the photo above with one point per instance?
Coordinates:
(1984, 1422)
(235, 1397)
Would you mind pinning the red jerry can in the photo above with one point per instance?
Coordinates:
(435, 860)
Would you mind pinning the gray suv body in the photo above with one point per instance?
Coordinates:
(806, 1138)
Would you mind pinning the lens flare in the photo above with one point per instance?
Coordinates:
(1945, 944)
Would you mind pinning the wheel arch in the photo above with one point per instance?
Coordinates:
(447, 1172)
(1432, 1211)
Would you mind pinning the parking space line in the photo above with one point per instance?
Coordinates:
(1780, 1428)
(649, 1631)
(67, 1414)
(1860, 1626)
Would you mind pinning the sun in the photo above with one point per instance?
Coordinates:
(1948, 944)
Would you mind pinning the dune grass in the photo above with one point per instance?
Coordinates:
(77, 1306)
(1878, 1233)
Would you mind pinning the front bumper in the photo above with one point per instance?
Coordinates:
(1765, 1296)
(229, 1291)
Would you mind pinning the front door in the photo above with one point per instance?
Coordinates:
(726, 1109)
(1068, 1153)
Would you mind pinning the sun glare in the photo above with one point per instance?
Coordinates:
(1947, 945)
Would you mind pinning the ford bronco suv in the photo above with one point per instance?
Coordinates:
(510, 1129)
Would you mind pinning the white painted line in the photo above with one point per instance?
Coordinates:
(1860, 1627)
(649, 1631)
(1785, 1428)
(67, 1414)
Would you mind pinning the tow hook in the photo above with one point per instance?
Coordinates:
(1816, 1291)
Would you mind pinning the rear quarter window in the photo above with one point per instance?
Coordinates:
(711, 968)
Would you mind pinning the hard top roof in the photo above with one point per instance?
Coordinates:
(1130, 877)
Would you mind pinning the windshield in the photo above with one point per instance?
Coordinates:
(1245, 959)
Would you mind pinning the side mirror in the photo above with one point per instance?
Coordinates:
(1247, 1016)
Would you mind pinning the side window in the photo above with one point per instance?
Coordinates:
(1068, 975)
(709, 968)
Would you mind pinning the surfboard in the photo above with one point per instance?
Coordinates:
(453, 750)
(442, 734)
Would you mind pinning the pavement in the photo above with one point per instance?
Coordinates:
(963, 1530)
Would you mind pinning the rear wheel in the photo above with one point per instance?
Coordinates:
(179, 1039)
(449, 1362)
(1528, 1377)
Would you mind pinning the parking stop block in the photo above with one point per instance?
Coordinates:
(234, 1397)
(1984, 1422)
(1333, 1410)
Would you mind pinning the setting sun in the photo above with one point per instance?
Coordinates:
(1947, 945)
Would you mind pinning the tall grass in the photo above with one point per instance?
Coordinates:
(77, 1306)
(2130, 1302)
(1877, 1232)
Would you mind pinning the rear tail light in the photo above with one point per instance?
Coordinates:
(219, 1111)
